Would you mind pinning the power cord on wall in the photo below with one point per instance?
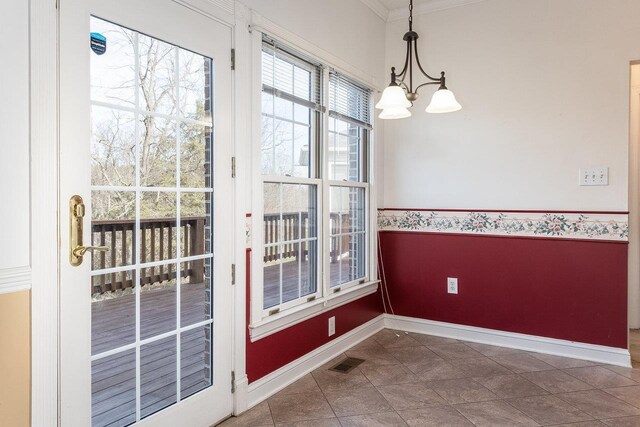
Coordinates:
(385, 289)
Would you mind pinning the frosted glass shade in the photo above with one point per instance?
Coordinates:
(395, 113)
(443, 101)
(393, 97)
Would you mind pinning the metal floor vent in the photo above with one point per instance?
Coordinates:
(347, 365)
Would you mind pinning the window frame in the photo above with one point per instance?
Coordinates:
(262, 322)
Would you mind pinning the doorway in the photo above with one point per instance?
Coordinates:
(145, 123)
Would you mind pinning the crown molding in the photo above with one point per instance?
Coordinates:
(378, 8)
(427, 7)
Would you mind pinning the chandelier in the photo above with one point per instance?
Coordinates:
(400, 94)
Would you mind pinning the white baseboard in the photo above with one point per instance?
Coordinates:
(576, 350)
(277, 380)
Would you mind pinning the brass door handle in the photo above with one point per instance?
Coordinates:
(76, 216)
(81, 250)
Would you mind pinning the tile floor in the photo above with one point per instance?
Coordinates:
(422, 380)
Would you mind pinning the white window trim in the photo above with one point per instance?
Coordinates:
(326, 298)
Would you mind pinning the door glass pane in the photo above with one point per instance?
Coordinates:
(195, 364)
(152, 292)
(113, 389)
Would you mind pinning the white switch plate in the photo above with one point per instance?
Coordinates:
(452, 285)
(594, 176)
(332, 325)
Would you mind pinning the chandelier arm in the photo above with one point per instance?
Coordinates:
(415, 46)
(402, 73)
(426, 84)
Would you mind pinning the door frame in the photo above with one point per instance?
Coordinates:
(44, 202)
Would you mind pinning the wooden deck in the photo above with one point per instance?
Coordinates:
(113, 326)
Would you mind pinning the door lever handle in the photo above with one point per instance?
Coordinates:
(76, 217)
(81, 250)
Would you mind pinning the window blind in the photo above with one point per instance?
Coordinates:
(289, 75)
(349, 101)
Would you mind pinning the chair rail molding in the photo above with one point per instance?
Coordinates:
(15, 279)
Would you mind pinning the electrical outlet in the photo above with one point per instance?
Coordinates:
(452, 285)
(332, 325)
(594, 176)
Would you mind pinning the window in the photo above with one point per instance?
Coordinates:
(289, 147)
(347, 165)
(314, 161)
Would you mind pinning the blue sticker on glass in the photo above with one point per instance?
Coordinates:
(98, 43)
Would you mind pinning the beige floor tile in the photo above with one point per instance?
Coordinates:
(492, 350)
(331, 380)
(522, 362)
(461, 390)
(430, 340)
(600, 377)
(556, 381)
(599, 404)
(412, 356)
(437, 416)
(509, 386)
(623, 422)
(455, 351)
(377, 355)
(437, 369)
(410, 396)
(494, 414)
(384, 419)
(594, 423)
(328, 422)
(631, 395)
(549, 410)
(630, 373)
(299, 407)
(305, 384)
(388, 374)
(480, 367)
(389, 339)
(360, 401)
(258, 416)
(562, 362)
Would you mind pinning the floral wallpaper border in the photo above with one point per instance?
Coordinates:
(602, 226)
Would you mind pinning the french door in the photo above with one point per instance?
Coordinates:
(145, 268)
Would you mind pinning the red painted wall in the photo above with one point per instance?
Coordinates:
(557, 288)
(270, 353)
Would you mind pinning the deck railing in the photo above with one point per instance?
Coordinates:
(158, 243)
(296, 227)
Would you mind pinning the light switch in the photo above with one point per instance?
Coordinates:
(594, 176)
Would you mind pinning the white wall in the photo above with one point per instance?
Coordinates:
(14, 134)
(545, 90)
(346, 28)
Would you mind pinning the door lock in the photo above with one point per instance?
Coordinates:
(76, 218)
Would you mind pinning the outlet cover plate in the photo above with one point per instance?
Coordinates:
(452, 285)
(332, 325)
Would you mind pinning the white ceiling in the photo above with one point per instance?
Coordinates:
(391, 10)
(395, 4)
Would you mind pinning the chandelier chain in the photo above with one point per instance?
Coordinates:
(410, 15)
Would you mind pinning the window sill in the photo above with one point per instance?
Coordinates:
(293, 316)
